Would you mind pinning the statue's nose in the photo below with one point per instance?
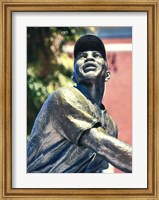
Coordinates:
(89, 59)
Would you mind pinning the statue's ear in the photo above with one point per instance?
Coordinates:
(107, 75)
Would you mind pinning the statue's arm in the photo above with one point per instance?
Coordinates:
(113, 150)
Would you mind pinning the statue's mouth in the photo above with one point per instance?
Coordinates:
(89, 66)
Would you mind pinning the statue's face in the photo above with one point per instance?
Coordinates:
(88, 66)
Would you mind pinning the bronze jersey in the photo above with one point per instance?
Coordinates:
(53, 146)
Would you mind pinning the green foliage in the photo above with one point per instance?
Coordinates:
(48, 66)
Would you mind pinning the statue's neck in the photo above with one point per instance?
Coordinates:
(93, 92)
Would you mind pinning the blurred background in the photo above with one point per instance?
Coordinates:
(50, 66)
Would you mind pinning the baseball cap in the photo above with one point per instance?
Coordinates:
(89, 42)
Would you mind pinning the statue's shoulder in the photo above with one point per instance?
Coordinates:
(65, 94)
(65, 90)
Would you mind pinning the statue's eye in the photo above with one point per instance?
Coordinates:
(97, 55)
(81, 56)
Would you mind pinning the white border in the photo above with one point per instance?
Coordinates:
(21, 20)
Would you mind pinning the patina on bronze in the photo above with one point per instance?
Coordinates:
(73, 132)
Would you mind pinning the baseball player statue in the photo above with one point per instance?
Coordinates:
(73, 132)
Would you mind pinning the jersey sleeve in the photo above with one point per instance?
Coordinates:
(111, 127)
(72, 113)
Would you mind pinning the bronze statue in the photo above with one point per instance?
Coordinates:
(73, 132)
